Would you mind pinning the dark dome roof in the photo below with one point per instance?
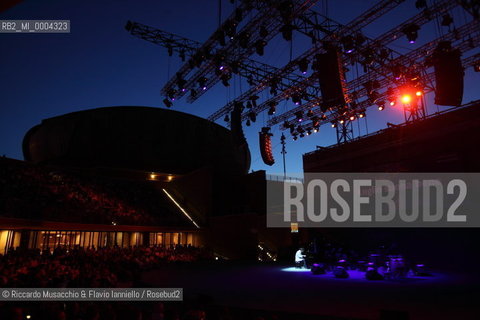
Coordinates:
(138, 138)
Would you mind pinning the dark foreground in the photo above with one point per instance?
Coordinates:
(280, 290)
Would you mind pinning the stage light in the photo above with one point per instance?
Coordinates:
(225, 78)
(309, 113)
(227, 118)
(263, 31)
(381, 107)
(316, 129)
(230, 28)
(411, 31)
(476, 67)
(254, 100)
(296, 99)
(299, 116)
(420, 4)
(171, 94)
(167, 103)
(272, 109)
(243, 39)
(221, 38)
(286, 31)
(248, 123)
(295, 137)
(352, 117)
(334, 124)
(406, 99)
(252, 116)
(303, 65)
(193, 93)
(235, 65)
(341, 121)
(418, 93)
(446, 20)
(249, 104)
(348, 44)
(202, 82)
(260, 46)
(238, 14)
(362, 115)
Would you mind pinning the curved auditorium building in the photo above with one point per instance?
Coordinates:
(122, 176)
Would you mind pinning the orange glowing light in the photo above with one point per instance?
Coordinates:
(406, 98)
(418, 93)
(392, 103)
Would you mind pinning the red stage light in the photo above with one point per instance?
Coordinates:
(418, 93)
(406, 99)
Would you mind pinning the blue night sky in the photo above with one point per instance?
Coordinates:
(100, 64)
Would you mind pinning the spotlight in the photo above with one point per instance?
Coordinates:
(254, 100)
(181, 54)
(230, 28)
(411, 31)
(202, 82)
(227, 118)
(299, 115)
(167, 103)
(252, 116)
(316, 129)
(419, 93)
(193, 93)
(381, 105)
(235, 65)
(406, 99)
(170, 51)
(181, 83)
(248, 123)
(263, 31)
(260, 46)
(334, 124)
(362, 114)
(476, 67)
(309, 113)
(296, 99)
(420, 4)
(171, 94)
(272, 109)
(249, 105)
(238, 14)
(221, 38)
(243, 40)
(303, 65)
(352, 117)
(348, 44)
(225, 78)
(446, 20)
(295, 137)
(341, 121)
(287, 31)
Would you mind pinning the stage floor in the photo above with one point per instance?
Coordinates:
(282, 288)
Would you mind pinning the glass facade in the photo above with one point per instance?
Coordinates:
(49, 240)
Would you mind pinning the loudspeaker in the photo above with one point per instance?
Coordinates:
(341, 273)
(373, 275)
(318, 269)
(448, 75)
(331, 77)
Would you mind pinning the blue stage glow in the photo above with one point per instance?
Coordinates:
(293, 269)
